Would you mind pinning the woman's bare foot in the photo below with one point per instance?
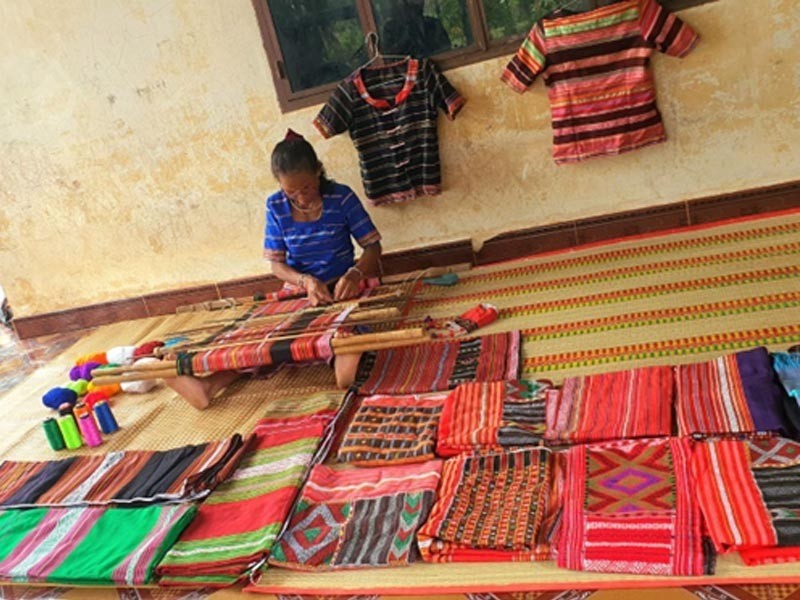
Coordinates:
(198, 391)
(345, 366)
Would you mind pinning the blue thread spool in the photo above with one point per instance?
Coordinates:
(108, 424)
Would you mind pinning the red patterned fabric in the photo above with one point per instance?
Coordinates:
(630, 509)
(609, 406)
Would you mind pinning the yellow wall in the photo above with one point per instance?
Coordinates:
(135, 139)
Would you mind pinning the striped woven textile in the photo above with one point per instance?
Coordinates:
(596, 67)
(493, 507)
(630, 509)
(351, 518)
(131, 476)
(609, 406)
(238, 523)
(749, 492)
(491, 416)
(89, 545)
(735, 393)
(439, 366)
(392, 430)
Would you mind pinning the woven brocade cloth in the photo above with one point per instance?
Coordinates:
(735, 393)
(122, 477)
(749, 492)
(493, 507)
(392, 430)
(90, 545)
(351, 518)
(439, 366)
(610, 406)
(630, 509)
(491, 416)
(238, 523)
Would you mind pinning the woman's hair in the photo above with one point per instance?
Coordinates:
(294, 154)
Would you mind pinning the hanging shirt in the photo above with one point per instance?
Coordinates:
(321, 248)
(391, 114)
(596, 67)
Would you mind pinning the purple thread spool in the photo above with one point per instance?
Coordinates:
(91, 434)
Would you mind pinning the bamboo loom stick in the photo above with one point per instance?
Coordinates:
(429, 272)
(368, 338)
(168, 372)
(387, 345)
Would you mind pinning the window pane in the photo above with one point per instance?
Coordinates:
(321, 40)
(422, 27)
(509, 18)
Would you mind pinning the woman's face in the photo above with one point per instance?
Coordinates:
(301, 187)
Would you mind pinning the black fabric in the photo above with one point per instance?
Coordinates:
(160, 472)
(40, 483)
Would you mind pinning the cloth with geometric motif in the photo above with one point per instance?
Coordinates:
(494, 507)
(609, 406)
(491, 416)
(439, 366)
(735, 393)
(630, 509)
(349, 517)
(392, 430)
(239, 522)
(749, 492)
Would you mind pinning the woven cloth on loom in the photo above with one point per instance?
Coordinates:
(749, 492)
(439, 366)
(493, 507)
(630, 509)
(735, 393)
(238, 523)
(356, 517)
(492, 415)
(119, 477)
(392, 430)
(90, 545)
(610, 406)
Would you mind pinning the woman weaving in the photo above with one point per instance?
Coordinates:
(310, 223)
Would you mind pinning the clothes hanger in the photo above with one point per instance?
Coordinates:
(371, 41)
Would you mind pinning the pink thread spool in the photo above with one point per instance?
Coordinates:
(89, 430)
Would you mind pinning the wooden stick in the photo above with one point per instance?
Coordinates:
(429, 272)
(166, 373)
(155, 366)
(358, 349)
(369, 338)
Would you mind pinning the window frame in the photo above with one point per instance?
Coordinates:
(483, 48)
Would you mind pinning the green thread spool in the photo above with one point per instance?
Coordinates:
(53, 433)
(69, 429)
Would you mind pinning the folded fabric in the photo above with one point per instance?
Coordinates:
(491, 416)
(609, 406)
(493, 507)
(188, 472)
(748, 491)
(392, 430)
(630, 509)
(753, 557)
(736, 393)
(354, 517)
(787, 367)
(238, 523)
(89, 545)
(439, 366)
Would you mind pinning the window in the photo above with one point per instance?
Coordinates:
(314, 44)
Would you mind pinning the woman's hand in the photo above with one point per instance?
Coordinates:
(317, 291)
(347, 287)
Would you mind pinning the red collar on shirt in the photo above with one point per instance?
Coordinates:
(411, 80)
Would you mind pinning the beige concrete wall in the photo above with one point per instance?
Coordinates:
(135, 136)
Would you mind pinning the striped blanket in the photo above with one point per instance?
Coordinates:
(439, 366)
(491, 416)
(493, 507)
(735, 393)
(119, 477)
(238, 523)
(354, 518)
(90, 545)
(749, 492)
(392, 430)
(630, 509)
(609, 406)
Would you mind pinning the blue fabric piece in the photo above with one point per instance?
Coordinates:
(322, 248)
(446, 279)
(787, 366)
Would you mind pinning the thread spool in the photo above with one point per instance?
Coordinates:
(85, 370)
(91, 435)
(75, 373)
(98, 357)
(108, 424)
(69, 430)
(80, 409)
(109, 390)
(53, 434)
(58, 396)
